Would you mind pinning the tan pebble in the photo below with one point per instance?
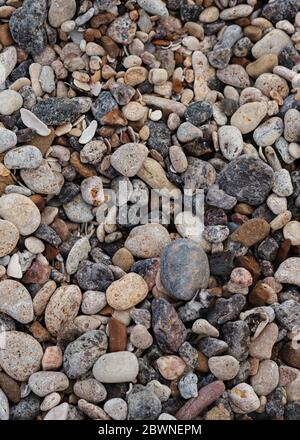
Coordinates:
(127, 292)
(281, 220)
(178, 159)
(123, 258)
(52, 359)
(171, 367)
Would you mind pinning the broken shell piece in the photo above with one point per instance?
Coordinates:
(88, 133)
(31, 121)
(257, 319)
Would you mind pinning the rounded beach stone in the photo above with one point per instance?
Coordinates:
(116, 408)
(143, 404)
(140, 337)
(24, 157)
(10, 102)
(248, 179)
(291, 231)
(92, 190)
(127, 292)
(261, 347)
(129, 158)
(289, 271)
(78, 253)
(223, 367)
(46, 382)
(147, 241)
(43, 180)
(122, 30)
(81, 354)
(78, 211)
(21, 211)
(9, 237)
(8, 139)
(50, 401)
(266, 379)
(90, 390)
(4, 406)
(244, 399)
(230, 141)
(92, 302)
(272, 43)
(62, 307)
(248, 116)
(268, 132)
(16, 301)
(251, 232)
(61, 11)
(21, 355)
(184, 269)
(107, 367)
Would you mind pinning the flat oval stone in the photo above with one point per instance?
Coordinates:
(129, 158)
(248, 116)
(63, 307)
(266, 379)
(251, 232)
(223, 367)
(24, 157)
(94, 276)
(46, 382)
(9, 237)
(16, 301)
(289, 271)
(8, 139)
(268, 132)
(107, 367)
(248, 179)
(80, 355)
(79, 252)
(21, 355)
(90, 390)
(230, 141)
(127, 291)
(147, 241)
(78, 210)
(43, 180)
(273, 42)
(184, 269)
(21, 211)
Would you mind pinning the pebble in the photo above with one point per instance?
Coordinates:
(147, 241)
(4, 406)
(126, 292)
(163, 392)
(50, 401)
(140, 337)
(61, 11)
(56, 111)
(8, 61)
(90, 390)
(184, 269)
(16, 301)
(10, 387)
(116, 408)
(268, 132)
(156, 7)
(234, 75)
(92, 302)
(272, 43)
(198, 113)
(288, 272)
(62, 307)
(282, 185)
(78, 253)
(248, 179)
(80, 355)
(43, 179)
(10, 102)
(188, 386)
(59, 412)
(230, 141)
(94, 276)
(27, 26)
(265, 63)
(143, 404)
(25, 157)
(261, 347)
(223, 367)
(122, 30)
(249, 116)
(291, 123)
(266, 379)
(43, 383)
(287, 314)
(8, 139)
(21, 355)
(52, 359)
(243, 399)
(78, 211)
(251, 232)
(128, 158)
(107, 368)
(34, 245)
(27, 409)
(204, 328)
(206, 396)
(9, 237)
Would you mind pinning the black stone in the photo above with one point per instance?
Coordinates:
(248, 179)
(278, 10)
(292, 411)
(143, 404)
(226, 309)
(146, 372)
(27, 409)
(267, 250)
(212, 346)
(198, 113)
(168, 329)
(237, 336)
(288, 314)
(27, 26)
(104, 104)
(94, 276)
(47, 234)
(160, 137)
(57, 111)
(20, 71)
(275, 404)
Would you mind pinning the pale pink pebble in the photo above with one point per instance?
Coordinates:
(52, 359)
(59, 412)
(239, 275)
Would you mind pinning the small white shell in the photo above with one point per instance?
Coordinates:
(88, 133)
(31, 121)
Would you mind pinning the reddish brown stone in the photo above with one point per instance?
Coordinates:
(291, 354)
(39, 201)
(39, 332)
(262, 294)
(249, 263)
(117, 335)
(37, 273)
(85, 170)
(251, 232)
(60, 228)
(206, 396)
(10, 388)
